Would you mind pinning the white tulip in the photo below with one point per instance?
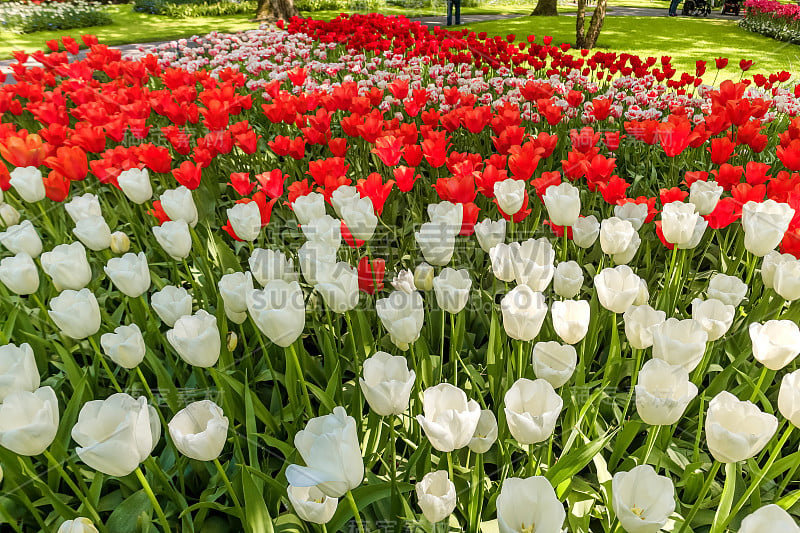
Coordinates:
(312, 256)
(67, 266)
(129, 273)
(29, 421)
(524, 312)
(360, 218)
(83, 206)
(568, 279)
(729, 290)
(678, 220)
(279, 311)
(617, 288)
(18, 370)
(120, 243)
(616, 235)
(309, 207)
(715, 316)
(79, 525)
(585, 231)
(178, 204)
(343, 196)
(789, 398)
(196, 339)
(402, 315)
(267, 264)
(705, 195)
(19, 274)
(171, 303)
(640, 322)
(627, 256)
(502, 262)
(485, 433)
(200, 430)
(387, 383)
(76, 313)
(662, 392)
(28, 183)
(450, 215)
(528, 505)
(571, 319)
(490, 233)
(423, 277)
(115, 435)
(563, 203)
(510, 195)
(436, 495)
(697, 235)
(787, 280)
(125, 346)
(533, 263)
(449, 418)
(765, 224)
(437, 242)
(8, 214)
(769, 265)
(245, 220)
(175, 238)
(93, 232)
(737, 430)
(452, 289)
(769, 518)
(554, 362)
(233, 288)
(642, 500)
(135, 183)
(311, 504)
(532, 409)
(634, 213)
(680, 342)
(776, 343)
(338, 285)
(22, 239)
(404, 281)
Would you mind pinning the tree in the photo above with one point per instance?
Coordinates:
(546, 8)
(275, 9)
(587, 38)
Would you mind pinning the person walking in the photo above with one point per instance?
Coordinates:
(673, 8)
(450, 5)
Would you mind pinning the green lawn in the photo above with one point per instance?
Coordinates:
(685, 39)
(130, 27)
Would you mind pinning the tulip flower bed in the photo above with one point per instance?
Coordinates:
(359, 275)
(29, 17)
(773, 19)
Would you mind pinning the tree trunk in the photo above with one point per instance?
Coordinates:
(580, 25)
(546, 8)
(269, 10)
(595, 25)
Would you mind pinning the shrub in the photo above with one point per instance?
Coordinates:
(24, 17)
(194, 8)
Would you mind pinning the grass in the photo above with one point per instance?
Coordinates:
(684, 39)
(130, 27)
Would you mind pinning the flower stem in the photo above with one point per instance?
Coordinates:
(157, 506)
(229, 487)
(95, 516)
(356, 514)
(702, 496)
(103, 362)
(393, 466)
(652, 436)
(761, 378)
(301, 378)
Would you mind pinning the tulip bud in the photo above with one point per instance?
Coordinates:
(309, 207)
(178, 204)
(568, 279)
(200, 430)
(769, 266)
(231, 341)
(776, 343)
(437, 242)
(402, 315)
(311, 504)
(789, 398)
(22, 238)
(585, 231)
(616, 235)
(68, 266)
(135, 183)
(19, 274)
(18, 370)
(423, 277)
(448, 214)
(452, 289)
(171, 303)
(120, 243)
(525, 504)
(485, 433)
(769, 518)
(554, 362)
(8, 214)
(360, 218)
(115, 435)
(174, 238)
(404, 281)
(502, 262)
(79, 525)
(129, 273)
(678, 220)
(449, 419)
(28, 183)
(640, 322)
(76, 313)
(344, 196)
(266, 265)
(765, 224)
(787, 279)
(617, 288)
(196, 339)
(510, 195)
(387, 383)
(338, 285)
(125, 346)
(436, 495)
(533, 263)
(680, 342)
(532, 409)
(245, 220)
(705, 195)
(571, 319)
(634, 213)
(93, 232)
(737, 430)
(324, 230)
(29, 421)
(563, 203)
(642, 500)
(83, 206)
(663, 392)
(490, 233)
(329, 446)
(279, 311)
(524, 312)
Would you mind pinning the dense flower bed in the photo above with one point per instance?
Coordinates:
(194, 8)
(772, 18)
(368, 275)
(29, 17)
